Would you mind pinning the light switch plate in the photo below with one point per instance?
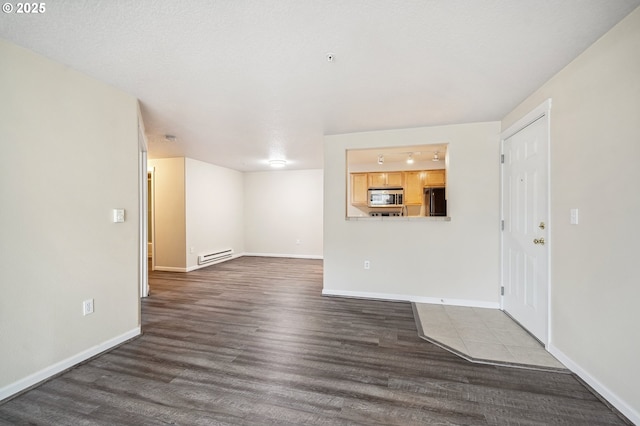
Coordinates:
(118, 215)
(574, 216)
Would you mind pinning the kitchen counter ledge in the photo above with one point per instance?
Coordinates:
(399, 218)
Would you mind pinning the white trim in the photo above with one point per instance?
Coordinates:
(171, 269)
(542, 109)
(624, 407)
(294, 256)
(411, 298)
(143, 224)
(143, 148)
(141, 128)
(64, 365)
(152, 205)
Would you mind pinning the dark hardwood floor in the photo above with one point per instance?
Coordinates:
(252, 342)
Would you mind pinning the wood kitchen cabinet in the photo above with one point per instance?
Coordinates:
(359, 186)
(413, 182)
(435, 178)
(414, 187)
(382, 179)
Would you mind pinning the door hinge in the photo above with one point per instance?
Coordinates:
(501, 158)
(502, 225)
(502, 291)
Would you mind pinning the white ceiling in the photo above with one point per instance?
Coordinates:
(239, 82)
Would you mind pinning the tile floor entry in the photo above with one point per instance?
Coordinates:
(481, 335)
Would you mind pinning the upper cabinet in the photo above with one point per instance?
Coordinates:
(359, 186)
(382, 179)
(435, 178)
(413, 187)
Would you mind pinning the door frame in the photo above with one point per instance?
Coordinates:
(542, 110)
(143, 260)
(151, 173)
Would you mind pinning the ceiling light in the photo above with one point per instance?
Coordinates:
(410, 159)
(277, 163)
(435, 157)
(380, 159)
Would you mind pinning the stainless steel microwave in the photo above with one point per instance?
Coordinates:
(385, 197)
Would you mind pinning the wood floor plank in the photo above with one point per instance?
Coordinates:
(253, 342)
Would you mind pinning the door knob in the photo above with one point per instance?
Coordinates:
(538, 241)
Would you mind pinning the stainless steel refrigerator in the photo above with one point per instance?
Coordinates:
(435, 202)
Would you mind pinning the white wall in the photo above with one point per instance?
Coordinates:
(69, 156)
(457, 261)
(282, 207)
(214, 210)
(170, 237)
(595, 153)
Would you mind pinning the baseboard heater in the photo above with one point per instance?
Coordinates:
(215, 257)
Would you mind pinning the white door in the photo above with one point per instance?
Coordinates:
(525, 211)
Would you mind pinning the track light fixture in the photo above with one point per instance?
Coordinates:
(410, 158)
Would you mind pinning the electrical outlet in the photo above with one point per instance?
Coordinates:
(298, 241)
(87, 307)
(367, 264)
(192, 250)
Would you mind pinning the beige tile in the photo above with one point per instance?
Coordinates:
(531, 356)
(429, 308)
(459, 311)
(431, 312)
(489, 314)
(477, 334)
(454, 343)
(498, 320)
(489, 351)
(511, 325)
(436, 331)
(516, 337)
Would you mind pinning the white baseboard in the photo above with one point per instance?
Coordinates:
(65, 364)
(605, 392)
(294, 256)
(411, 298)
(170, 269)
